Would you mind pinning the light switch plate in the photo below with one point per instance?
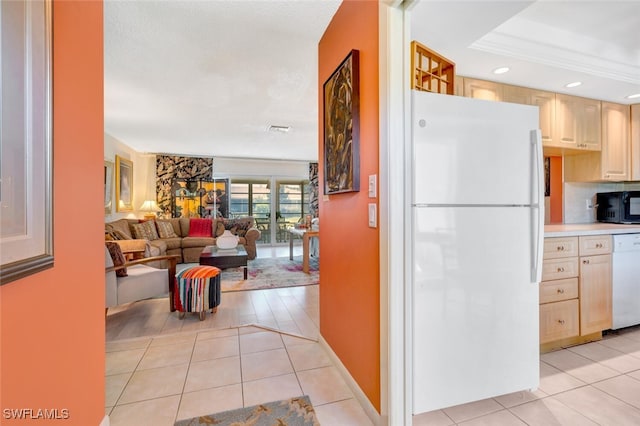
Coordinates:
(373, 186)
(373, 220)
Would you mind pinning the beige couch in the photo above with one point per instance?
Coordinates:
(127, 232)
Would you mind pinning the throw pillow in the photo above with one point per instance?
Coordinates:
(219, 228)
(145, 230)
(118, 235)
(165, 229)
(237, 227)
(118, 258)
(200, 227)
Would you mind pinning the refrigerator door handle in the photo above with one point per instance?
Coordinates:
(537, 206)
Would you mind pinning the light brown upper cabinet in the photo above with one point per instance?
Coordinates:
(545, 101)
(577, 123)
(615, 141)
(635, 142)
(600, 141)
(612, 162)
(482, 89)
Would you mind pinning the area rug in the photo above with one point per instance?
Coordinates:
(272, 272)
(296, 411)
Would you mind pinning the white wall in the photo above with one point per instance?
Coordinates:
(247, 168)
(576, 194)
(144, 175)
(144, 172)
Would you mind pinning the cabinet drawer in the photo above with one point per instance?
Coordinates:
(555, 248)
(555, 291)
(558, 320)
(557, 269)
(595, 244)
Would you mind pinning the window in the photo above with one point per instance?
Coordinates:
(250, 199)
(254, 198)
(293, 201)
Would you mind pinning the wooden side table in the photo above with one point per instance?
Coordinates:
(305, 234)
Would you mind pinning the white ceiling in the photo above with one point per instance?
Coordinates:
(546, 44)
(209, 77)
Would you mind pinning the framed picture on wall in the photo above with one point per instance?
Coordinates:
(547, 176)
(124, 184)
(341, 100)
(108, 187)
(26, 242)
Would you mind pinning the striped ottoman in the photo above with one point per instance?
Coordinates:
(197, 289)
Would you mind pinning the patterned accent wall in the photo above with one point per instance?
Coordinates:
(170, 167)
(313, 187)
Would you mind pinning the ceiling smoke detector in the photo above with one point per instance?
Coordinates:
(279, 129)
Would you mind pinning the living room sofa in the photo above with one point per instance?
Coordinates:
(184, 237)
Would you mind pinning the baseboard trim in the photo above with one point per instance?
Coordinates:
(105, 421)
(570, 341)
(362, 399)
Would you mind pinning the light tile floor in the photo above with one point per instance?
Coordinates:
(593, 384)
(160, 368)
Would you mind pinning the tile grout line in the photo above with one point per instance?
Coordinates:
(115, 404)
(186, 377)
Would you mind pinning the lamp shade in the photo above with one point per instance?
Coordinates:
(149, 206)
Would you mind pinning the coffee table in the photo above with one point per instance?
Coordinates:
(229, 258)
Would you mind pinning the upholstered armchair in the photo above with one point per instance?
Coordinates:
(141, 281)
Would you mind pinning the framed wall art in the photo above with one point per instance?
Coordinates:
(124, 184)
(547, 176)
(26, 183)
(108, 187)
(341, 100)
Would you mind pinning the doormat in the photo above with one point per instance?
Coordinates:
(272, 272)
(296, 411)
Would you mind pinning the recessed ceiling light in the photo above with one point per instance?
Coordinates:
(501, 70)
(280, 129)
(574, 84)
(635, 95)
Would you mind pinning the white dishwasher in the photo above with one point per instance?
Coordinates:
(626, 280)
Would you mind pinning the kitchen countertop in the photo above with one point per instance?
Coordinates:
(577, 229)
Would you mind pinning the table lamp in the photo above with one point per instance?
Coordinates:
(150, 208)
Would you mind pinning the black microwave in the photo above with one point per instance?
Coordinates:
(618, 207)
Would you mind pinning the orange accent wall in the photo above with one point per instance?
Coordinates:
(556, 190)
(52, 323)
(349, 249)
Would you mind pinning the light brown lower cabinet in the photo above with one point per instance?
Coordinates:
(575, 294)
(558, 320)
(595, 294)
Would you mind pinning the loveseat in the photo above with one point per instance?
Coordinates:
(184, 237)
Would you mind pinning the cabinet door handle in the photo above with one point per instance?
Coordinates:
(560, 269)
(560, 248)
(599, 245)
(560, 291)
(585, 262)
(561, 322)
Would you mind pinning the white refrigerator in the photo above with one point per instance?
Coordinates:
(477, 229)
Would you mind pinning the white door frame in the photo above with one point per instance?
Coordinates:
(395, 213)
